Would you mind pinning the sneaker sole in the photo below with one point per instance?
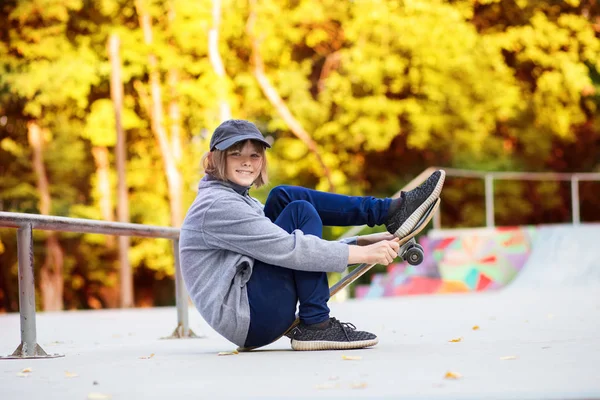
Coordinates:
(313, 345)
(414, 218)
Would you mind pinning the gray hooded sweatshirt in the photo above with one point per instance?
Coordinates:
(224, 231)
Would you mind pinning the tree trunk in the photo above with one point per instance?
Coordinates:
(174, 179)
(275, 99)
(51, 278)
(332, 62)
(100, 154)
(116, 92)
(174, 110)
(217, 62)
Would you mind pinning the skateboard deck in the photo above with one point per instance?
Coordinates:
(362, 268)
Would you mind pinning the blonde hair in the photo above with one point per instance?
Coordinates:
(215, 162)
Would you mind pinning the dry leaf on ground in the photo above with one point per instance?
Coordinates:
(228, 353)
(459, 339)
(70, 374)
(25, 371)
(508, 358)
(361, 385)
(452, 375)
(351, 357)
(475, 328)
(146, 357)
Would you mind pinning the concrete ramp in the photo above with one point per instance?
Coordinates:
(562, 257)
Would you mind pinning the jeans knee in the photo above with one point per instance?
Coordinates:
(304, 207)
(277, 194)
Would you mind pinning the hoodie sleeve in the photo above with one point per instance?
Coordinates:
(233, 225)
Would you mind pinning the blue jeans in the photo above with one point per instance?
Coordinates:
(274, 291)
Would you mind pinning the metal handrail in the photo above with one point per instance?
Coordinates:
(489, 178)
(26, 223)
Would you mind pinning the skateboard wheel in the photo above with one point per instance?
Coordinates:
(414, 255)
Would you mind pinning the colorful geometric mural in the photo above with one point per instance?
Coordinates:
(472, 260)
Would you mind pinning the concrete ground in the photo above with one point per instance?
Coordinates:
(531, 344)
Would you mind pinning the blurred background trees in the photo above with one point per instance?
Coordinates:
(357, 95)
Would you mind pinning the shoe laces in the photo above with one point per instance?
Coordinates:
(346, 327)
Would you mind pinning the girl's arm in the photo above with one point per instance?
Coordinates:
(366, 240)
(232, 225)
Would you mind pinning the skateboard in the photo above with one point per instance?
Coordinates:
(409, 250)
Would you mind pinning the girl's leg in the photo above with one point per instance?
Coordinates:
(273, 291)
(333, 209)
(399, 215)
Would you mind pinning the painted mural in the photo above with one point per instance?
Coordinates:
(472, 260)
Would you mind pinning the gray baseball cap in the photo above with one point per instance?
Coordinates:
(235, 130)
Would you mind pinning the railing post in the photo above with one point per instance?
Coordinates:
(489, 200)
(28, 347)
(181, 300)
(26, 291)
(575, 199)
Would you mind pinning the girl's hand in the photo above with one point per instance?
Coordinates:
(366, 240)
(383, 252)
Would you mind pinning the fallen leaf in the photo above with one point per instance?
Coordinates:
(455, 340)
(70, 374)
(351, 357)
(508, 358)
(475, 328)
(228, 353)
(452, 375)
(361, 385)
(24, 372)
(146, 357)
(99, 396)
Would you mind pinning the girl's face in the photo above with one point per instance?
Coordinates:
(244, 165)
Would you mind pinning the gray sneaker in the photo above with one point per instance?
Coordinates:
(334, 336)
(414, 204)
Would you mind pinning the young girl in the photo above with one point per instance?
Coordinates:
(247, 267)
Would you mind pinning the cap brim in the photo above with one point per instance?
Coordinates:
(225, 144)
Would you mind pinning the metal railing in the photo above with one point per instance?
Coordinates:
(489, 178)
(26, 223)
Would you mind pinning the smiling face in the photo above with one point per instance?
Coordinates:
(244, 164)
